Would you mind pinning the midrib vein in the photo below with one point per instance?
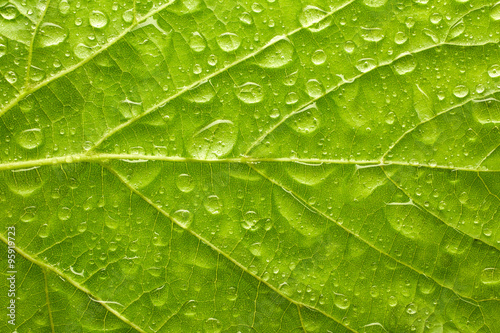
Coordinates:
(46, 267)
(104, 158)
(216, 249)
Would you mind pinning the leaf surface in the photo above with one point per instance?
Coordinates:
(274, 166)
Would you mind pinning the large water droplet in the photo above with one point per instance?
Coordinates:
(311, 15)
(183, 217)
(64, 213)
(318, 57)
(314, 88)
(461, 91)
(366, 64)
(185, 183)
(30, 139)
(11, 77)
(341, 301)
(490, 276)
(24, 182)
(405, 64)
(494, 71)
(310, 174)
(197, 42)
(495, 12)
(456, 30)
(98, 19)
(276, 55)
(9, 12)
(213, 204)
(400, 38)
(64, 7)
(229, 42)
(51, 34)
(128, 16)
(305, 121)
(82, 51)
(43, 232)
(372, 34)
(212, 325)
(202, 93)
(214, 140)
(250, 93)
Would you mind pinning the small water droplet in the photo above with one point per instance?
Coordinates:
(212, 325)
(128, 16)
(400, 38)
(213, 205)
(11, 77)
(278, 55)
(64, 213)
(341, 301)
(50, 34)
(318, 57)
(185, 183)
(411, 309)
(306, 120)
(246, 18)
(311, 15)
(82, 51)
(490, 276)
(349, 46)
(405, 64)
(314, 88)
(494, 71)
(43, 232)
(213, 141)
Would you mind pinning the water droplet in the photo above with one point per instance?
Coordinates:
(183, 217)
(197, 69)
(246, 18)
(212, 325)
(366, 64)
(341, 301)
(390, 118)
(24, 182)
(311, 15)
(494, 71)
(30, 139)
(159, 296)
(456, 30)
(291, 98)
(50, 35)
(405, 64)
(318, 57)
(314, 88)
(393, 301)
(9, 12)
(214, 140)
(43, 232)
(213, 205)
(349, 46)
(411, 309)
(250, 93)
(29, 214)
(400, 38)
(461, 91)
(197, 42)
(229, 42)
(374, 3)
(11, 77)
(64, 7)
(436, 18)
(256, 249)
(128, 16)
(37, 74)
(305, 121)
(250, 220)
(82, 51)
(495, 12)
(212, 60)
(98, 19)
(82, 227)
(185, 183)
(64, 213)
(372, 34)
(277, 55)
(490, 276)
(202, 93)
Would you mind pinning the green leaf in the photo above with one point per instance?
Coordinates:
(272, 166)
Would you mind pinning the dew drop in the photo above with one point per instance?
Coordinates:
(291, 98)
(183, 217)
(229, 42)
(43, 232)
(494, 71)
(246, 18)
(405, 64)
(278, 55)
(250, 220)
(349, 46)
(11, 77)
(250, 93)
(461, 91)
(214, 140)
(374, 3)
(400, 38)
(256, 249)
(318, 57)
(197, 42)
(311, 15)
(456, 30)
(366, 65)
(185, 183)
(314, 88)
(50, 35)
(495, 12)
(213, 205)
(341, 301)
(64, 7)
(411, 309)
(82, 51)
(212, 325)
(490, 276)
(128, 16)
(98, 19)
(305, 121)
(30, 139)
(64, 213)
(9, 12)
